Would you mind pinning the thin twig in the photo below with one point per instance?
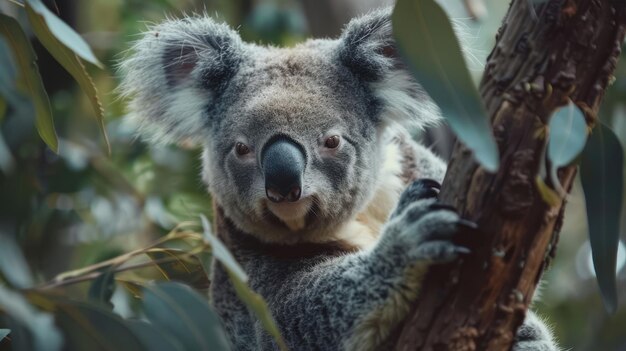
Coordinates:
(124, 257)
(93, 275)
(17, 3)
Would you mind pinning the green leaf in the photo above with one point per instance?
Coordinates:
(8, 72)
(426, 40)
(88, 326)
(46, 336)
(239, 280)
(4, 333)
(64, 33)
(3, 105)
(30, 79)
(221, 253)
(184, 313)
(257, 304)
(70, 61)
(602, 177)
(134, 288)
(548, 195)
(12, 263)
(6, 159)
(184, 268)
(9, 94)
(20, 338)
(103, 287)
(154, 339)
(568, 135)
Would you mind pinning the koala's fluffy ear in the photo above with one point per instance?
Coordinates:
(368, 49)
(173, 75)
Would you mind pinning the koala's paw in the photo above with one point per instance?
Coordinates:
(418, 190)
(424, 230)
(533, 335)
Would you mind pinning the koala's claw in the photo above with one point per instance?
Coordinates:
(424, 229)
(441, 251)
(440, 206)
(431, 183)
(468, 224)
(418, 190)
(427, 232)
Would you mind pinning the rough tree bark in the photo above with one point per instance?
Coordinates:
(544, 55)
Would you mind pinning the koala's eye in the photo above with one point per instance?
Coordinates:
(332, 142)
(242, 149)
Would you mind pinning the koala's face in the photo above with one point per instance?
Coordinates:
(292, 137)
(294, 152)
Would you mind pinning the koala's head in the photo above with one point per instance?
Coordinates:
(292, 137)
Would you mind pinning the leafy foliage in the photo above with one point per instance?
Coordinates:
(30, 79)
(36, 329)
(603, 183)
(239, 280)
(66, 46)
(568, 135)
(178, 314)
(185, 314)
(40, 18)
(12, 264)
(426, 39)
(60, 30)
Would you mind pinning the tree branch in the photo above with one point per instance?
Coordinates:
(558, 50)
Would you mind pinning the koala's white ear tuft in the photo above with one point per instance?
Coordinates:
(368, 49)
(173, 75)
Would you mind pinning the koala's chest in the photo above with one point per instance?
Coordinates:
(363, 231)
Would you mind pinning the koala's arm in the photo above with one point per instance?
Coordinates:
(353, 302)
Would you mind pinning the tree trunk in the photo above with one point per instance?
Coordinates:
(558, 50)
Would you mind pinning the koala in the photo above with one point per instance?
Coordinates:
(322, 195)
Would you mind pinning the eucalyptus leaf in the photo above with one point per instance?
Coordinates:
(8, 72)
(568, 135)
(6, 159)
(29, 79)
(13, 265)
(70, 61)
(64, 33)
(602, 177)
(3, 107)
(88, 326)
(9, 94)
(239, 280)
(132, 287)
(103, 287)
(153, 338)
(185, 314)
(46, 336)
(184, 268)
(20, 338)
(257, 304)
(220, 252)
(548, 195)
(426, 40)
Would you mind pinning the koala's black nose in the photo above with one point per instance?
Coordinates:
(283, 161)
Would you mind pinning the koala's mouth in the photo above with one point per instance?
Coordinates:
(293, 215)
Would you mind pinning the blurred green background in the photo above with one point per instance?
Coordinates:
(82, 205)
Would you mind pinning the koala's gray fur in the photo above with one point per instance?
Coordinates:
(340, 268)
